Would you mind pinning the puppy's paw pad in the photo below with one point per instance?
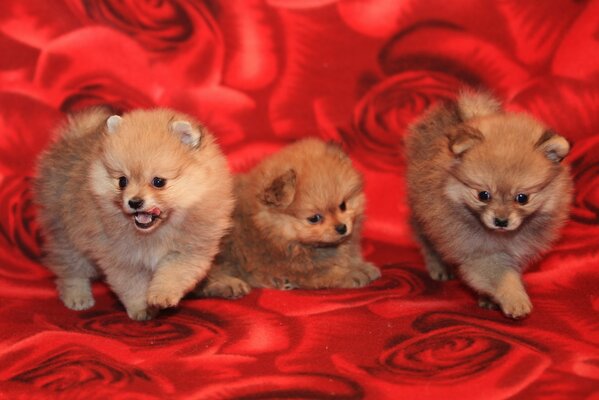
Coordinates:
(371, 271)
(79, 302)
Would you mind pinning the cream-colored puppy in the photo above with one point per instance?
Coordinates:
(143, 199)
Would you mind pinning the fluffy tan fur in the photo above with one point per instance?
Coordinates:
(153, 253)
(455, 152)
(274, 244)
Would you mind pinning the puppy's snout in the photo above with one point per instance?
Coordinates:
(341, 229)
(500, 222)
(136, 203)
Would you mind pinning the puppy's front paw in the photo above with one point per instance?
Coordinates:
(284, 284)
(142, 314)
(516, 305)
(226, 287)
(161, 297)
(359, 276)
(438, 272)
(78, 301)
(75, 293)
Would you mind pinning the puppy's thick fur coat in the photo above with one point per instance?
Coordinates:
(296, 225)
(143, 199)
(488, 194)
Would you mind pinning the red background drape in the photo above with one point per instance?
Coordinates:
(261, 73)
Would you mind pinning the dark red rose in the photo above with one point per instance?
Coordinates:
(158, 26)
(18, 223)
(383, 115)
(450, 351)
(70, 366)
(182, 35)
(158, 332)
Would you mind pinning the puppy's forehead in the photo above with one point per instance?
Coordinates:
(506, 168)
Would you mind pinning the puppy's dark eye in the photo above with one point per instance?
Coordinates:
(484, 196)
(343, 206)
(314, 219)
(158, 182)
(123, 182)
(521, 198)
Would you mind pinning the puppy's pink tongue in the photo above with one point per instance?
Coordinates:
(154, 211)
(143, 218)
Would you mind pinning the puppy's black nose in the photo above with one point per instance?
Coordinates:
(341, 229)
(500, 223)
(136, 203)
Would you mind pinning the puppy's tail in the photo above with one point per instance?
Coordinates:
(477, 104)
(85, 122)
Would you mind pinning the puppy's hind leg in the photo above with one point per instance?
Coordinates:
(437, 270)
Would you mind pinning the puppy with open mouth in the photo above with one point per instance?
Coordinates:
(143, 199)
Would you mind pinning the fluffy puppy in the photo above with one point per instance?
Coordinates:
(488, 193)
(296, 225)
(143, 199)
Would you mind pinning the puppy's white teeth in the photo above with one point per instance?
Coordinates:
(143, 218)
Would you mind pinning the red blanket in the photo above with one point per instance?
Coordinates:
(261, 73)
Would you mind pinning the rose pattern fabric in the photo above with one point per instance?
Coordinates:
(260, 74)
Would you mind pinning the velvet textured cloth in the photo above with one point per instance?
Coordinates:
(261, 74)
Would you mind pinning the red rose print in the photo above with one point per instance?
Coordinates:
(305, 386)
(23, 137)
(182, 35)
(70, 367)
(450, 351)
(585, 170)
(260, 74)
(36, 23)
(18, 225)
(383, 115)
(70, 80)
(157, 332)
(397, 284)
(253, 62)
(569, 107)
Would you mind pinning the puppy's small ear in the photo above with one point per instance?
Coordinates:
(554, 146)
(112, 123)
(462, 138)
(281, 190)
(186, 132)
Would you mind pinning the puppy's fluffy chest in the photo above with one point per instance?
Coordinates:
(143, 253)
